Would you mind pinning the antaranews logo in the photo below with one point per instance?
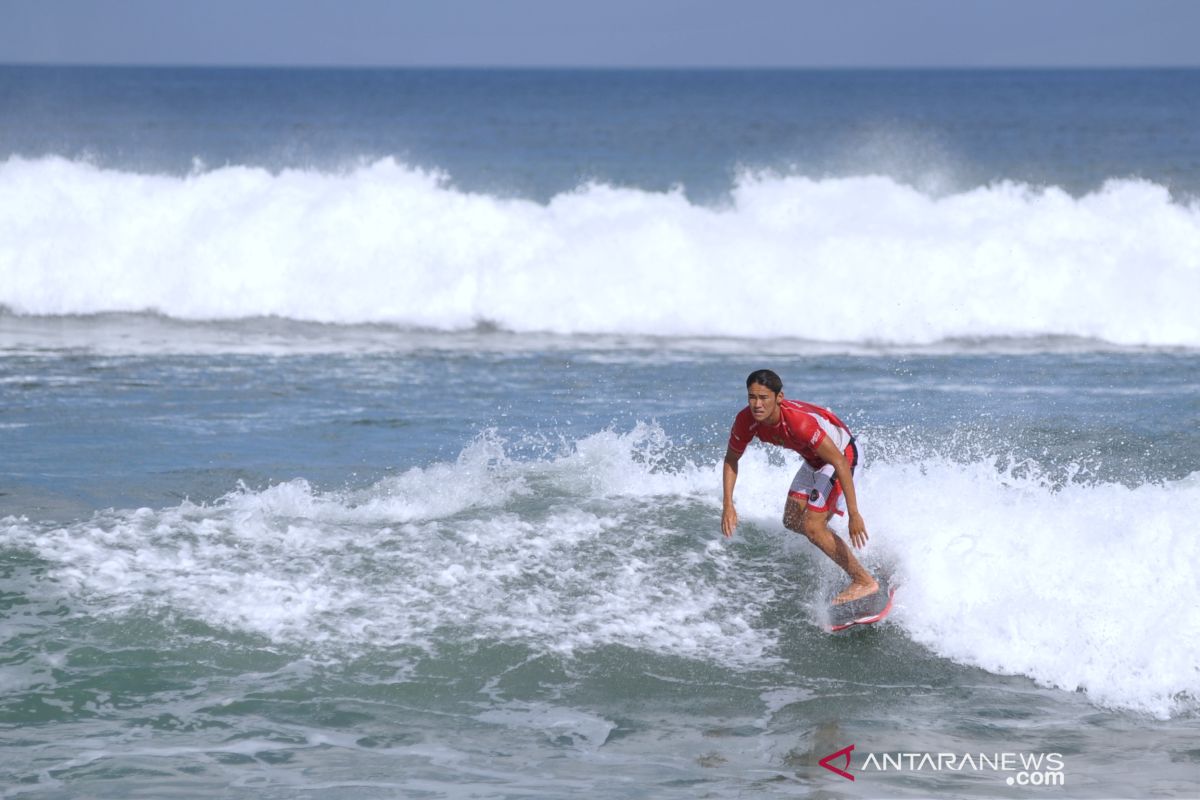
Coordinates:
(1017, 768)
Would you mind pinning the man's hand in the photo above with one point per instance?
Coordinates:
(729, 520)
(729, 474)
(858, 530)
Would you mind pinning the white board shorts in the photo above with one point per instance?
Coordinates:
(819, 488)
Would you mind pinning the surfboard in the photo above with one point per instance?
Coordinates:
(863, 611)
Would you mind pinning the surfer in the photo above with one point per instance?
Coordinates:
(824, 484)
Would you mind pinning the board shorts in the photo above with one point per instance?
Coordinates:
(819, 487)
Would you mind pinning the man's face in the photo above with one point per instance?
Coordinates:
(764, 404)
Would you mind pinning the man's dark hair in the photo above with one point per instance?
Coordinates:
(767, 378)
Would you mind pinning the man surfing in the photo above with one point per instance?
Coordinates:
(824, 484)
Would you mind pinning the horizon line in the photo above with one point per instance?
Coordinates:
(605, 67)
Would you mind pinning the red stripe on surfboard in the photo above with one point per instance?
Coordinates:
(868, 619)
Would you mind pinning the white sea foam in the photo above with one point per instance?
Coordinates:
(1081, 587)
(858, 259)
(448, 551)
(1090, 587)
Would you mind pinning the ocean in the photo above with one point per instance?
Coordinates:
(361, 432)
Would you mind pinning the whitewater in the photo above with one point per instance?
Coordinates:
(1015, 576)
(865, 259)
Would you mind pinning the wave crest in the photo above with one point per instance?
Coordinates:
(860, 259)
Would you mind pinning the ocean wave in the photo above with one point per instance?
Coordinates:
(614, 542)
(480, 548)
(1086, 587)
(854, 259)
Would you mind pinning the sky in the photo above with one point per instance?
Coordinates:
(604, 33)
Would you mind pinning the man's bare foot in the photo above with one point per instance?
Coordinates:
(856, 591)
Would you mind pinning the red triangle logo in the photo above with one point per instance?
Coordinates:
(843, 753)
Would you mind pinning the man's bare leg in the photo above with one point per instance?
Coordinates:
(815, 525)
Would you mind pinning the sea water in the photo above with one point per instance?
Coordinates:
(361, 432)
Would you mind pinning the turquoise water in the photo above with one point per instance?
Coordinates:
(326, 476)
(494, 568)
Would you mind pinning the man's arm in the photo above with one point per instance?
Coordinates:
(729, 473)
(829, 451)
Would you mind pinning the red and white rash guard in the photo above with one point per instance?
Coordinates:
(802, 427)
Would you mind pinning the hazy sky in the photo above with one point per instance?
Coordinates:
(651, 33)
